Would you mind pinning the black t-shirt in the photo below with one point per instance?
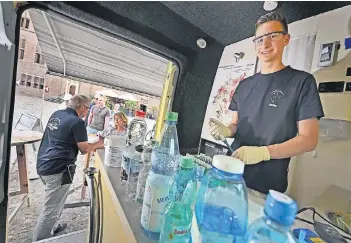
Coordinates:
(58, 147)
(269, 107)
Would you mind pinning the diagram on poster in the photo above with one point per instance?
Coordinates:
(227, 79)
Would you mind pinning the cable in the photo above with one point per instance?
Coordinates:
(313, 217)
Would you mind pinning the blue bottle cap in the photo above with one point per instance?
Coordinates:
(280, 208)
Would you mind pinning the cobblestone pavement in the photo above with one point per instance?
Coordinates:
(20, 231)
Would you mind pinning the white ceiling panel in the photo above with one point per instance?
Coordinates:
(97, 57)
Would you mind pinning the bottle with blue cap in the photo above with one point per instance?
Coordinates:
(274, 226)
(221, 207)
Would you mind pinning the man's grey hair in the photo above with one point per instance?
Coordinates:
(273, 16)
(77, 101)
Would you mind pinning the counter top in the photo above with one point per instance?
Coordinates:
(132, 210)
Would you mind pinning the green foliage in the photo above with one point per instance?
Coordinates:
(108, 104)
(130, 104)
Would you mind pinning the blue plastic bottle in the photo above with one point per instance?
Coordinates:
(221, 207)
(274, 226)
(176, 226)
(164, 163)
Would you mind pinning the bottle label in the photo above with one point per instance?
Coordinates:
(113, 156)
(178, 232)
(135, 166)
(171, 147)
(140, 191)
(155, 200)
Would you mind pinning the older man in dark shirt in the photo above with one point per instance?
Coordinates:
(64, 135)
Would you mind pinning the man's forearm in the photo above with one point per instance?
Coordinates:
(94, 146)
(293, 147)
(91, 147)
(233, 127)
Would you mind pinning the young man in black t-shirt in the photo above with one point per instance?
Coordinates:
(276, 112)
(64, 135)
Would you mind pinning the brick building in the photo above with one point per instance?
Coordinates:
(32, 78)
(31, 68)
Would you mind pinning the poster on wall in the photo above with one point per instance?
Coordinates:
(227, 79)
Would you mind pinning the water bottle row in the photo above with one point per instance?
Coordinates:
(167, 186)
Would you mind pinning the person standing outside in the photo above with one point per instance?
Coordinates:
(92, 103)
(64, 135)
(120, 125)
(99, 117)
(113, 112)
(276, 112)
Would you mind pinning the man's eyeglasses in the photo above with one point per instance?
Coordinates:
(87, 107)
(270, 37)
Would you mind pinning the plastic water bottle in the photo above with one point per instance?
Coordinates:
(146, 158)
(221, 207)
(126, 160)
(133, 171)
(274, 226)
(176, 227)
(137, 129)
(135, 136)
(164, 162)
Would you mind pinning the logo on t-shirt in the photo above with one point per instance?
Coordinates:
(274, 97)
(53, 124)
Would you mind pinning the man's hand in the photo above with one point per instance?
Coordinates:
(252, 155)
(101, 141)
(217, 129)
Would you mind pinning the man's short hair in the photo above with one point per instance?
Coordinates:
(77, 101)
(273, 16)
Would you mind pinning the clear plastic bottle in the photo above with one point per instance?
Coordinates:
(135, 136)
(137, 129)
(164, 162)
(133, 172)
(221, 207)
(146, 158)
(176, 227)
(126, 160)
(274, 226)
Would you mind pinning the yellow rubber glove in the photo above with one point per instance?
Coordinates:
(217, 129)
(252, 155)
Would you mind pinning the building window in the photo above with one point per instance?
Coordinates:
(29, 81)
(22, 46)
(23, 79)
(25, 23)
(41, 85)
(21, 54)
(38, 56)
(23, 43)
(36, 82)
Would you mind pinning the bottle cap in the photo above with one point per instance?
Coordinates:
(187, 162)
(140, 114)
(139, 148)
(228, 164)
(172, 116)
(280, 208)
